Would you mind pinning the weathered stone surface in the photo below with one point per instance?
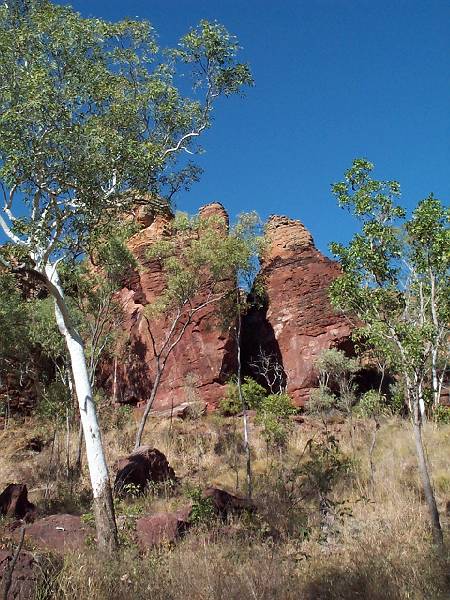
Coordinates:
(225, 503)
(59, 533)
(298, 322)
(24, 577)
(142, 466)
(162, 528)
(185, 410)
(14, 502)
(203, 360)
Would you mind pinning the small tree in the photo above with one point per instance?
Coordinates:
(336, 384)
(396, 282)
(89, 115)
(270, 369)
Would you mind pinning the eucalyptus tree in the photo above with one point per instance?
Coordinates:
(90, 113)
(396, 281)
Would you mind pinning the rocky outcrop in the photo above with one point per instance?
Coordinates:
(295, 325)
(297, 321)
(201, 362)
(24, 578)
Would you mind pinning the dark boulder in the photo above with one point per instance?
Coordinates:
(14, 502)
(142, 466)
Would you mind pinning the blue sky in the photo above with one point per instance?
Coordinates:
(334, 80)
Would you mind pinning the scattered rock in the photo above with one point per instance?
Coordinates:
(162, 528)
(14, 502)
(225, 503)
(59, 533)
(185, 410)
(24, 577)
(139, 468)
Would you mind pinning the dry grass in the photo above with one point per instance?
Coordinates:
(376, 546)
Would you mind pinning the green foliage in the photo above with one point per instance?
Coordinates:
(92, 117)
(325, 463)
(441, 414)
(55, 401)
(202, 512)
(321, 401)
(273, 414)
(372, 405)
(336, 387)
(396, 278)
(203, 257)
(253, 393)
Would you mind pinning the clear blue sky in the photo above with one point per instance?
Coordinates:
(334, 80)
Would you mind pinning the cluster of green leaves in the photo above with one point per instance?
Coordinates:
(336, 382)
(274, 415)
(92, 114)
(395, 281)
(373, 405)
(204, 258)
(202, 512)
(253, 393)
(442, 414)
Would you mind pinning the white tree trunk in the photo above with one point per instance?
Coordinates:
(98, 471)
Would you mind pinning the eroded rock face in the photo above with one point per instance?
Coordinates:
(200, 364)
(294, 327)
(298, 322)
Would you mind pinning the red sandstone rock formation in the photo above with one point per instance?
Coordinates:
(200, 364)
(162, 528)
(298, 322)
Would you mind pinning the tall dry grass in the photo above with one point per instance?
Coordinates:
(376, 546)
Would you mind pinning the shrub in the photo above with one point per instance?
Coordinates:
(372, 405)
(321, 401)
(274, 414)
(202, 512)
(442, 414)
(253, 394)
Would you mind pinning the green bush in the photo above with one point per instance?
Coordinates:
(372, 405)
(252, 392)
(202, 512)
(441, 414)
(273, 415)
